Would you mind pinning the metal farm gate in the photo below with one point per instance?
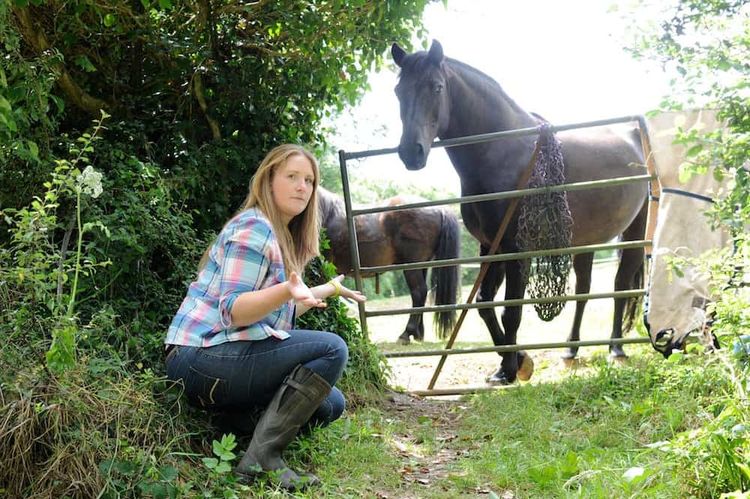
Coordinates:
(514, 197)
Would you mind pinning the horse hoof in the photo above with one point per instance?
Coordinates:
(403, 341)
(570, 353)
(527, 367)
(617, 351)
(499, 378)
(618, 359)
(570, 362)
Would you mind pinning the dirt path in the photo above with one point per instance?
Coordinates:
(443, 416)
(422, 467)
(420, 471)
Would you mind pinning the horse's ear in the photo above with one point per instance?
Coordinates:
(435, 55)
(398, 54)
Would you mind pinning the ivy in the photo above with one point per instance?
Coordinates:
(197, 91)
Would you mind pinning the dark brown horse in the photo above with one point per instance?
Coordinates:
(445, 98)
(404, 236)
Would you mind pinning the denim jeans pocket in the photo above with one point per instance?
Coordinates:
(204, 390)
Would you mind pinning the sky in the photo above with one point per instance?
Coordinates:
(561, 59)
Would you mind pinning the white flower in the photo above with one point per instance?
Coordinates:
(633, 473)
(90, 182)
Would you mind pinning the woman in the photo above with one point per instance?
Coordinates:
(233, 343)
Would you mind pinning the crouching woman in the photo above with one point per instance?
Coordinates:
(232, 343)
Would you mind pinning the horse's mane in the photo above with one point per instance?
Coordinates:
(482, 82)
(482, 77)
(418, 63)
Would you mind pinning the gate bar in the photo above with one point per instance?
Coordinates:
(629, 293)
(493, 196)
(487, 137)
(433, 392)
(353, 245)
(571, 250)
(515, 348)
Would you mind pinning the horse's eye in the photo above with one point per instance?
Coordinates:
(437, 88)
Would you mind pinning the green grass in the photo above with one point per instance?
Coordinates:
(649, 428)
(585, 436)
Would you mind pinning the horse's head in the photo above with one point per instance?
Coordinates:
(423, 97)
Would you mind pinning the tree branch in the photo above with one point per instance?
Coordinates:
(38, 41)
(198, 92)
(242, 7)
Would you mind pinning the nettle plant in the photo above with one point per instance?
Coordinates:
(41, 271)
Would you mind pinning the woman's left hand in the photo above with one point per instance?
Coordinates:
(351, 294)
(301, 293)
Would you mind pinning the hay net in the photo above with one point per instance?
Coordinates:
(545, 222)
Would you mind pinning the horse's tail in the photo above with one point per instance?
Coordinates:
(445, 280)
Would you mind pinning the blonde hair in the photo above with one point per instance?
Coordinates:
(299, 240)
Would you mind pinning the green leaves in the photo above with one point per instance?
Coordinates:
(5, 106)
(61, 354)
(109, 21)
(7, 120)
(150, 481)
(223, 448)
(222, 464)
(556, 471)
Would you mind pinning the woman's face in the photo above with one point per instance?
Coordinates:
(292, 186)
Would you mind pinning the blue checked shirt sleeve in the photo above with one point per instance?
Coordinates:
(245, 266)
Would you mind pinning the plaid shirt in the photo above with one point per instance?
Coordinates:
(245, 257)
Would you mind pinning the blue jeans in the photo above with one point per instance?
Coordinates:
(243, 376)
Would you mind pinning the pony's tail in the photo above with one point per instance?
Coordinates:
(445, 279)
(634, 304)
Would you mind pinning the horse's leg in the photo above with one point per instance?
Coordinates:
(629, 275)
(514, 364)
(424, 289)
(417, 282)
(582, 264)
(487, 291)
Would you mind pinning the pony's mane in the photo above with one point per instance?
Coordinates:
(330, 204)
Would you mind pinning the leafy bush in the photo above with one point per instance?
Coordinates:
(365, 375)
(197, 92)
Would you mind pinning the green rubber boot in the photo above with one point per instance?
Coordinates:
(291, 407)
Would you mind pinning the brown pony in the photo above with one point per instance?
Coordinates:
(404, 236)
